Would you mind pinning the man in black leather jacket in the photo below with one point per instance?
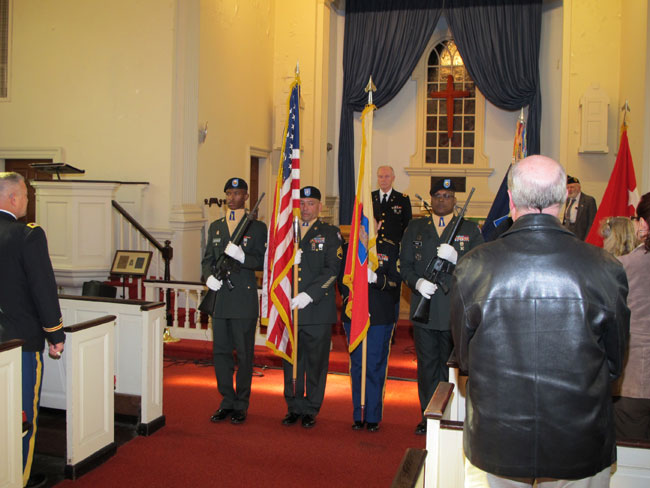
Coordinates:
(540, 323)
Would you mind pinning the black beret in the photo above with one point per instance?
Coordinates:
(236, 184)
(572, 179)
(443, 184)
(310, 192)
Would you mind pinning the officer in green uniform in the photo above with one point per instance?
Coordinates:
(319, 260)
(423, 240)
(29, 303)
(237, 305)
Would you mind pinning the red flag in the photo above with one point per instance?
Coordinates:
(280, 249)
(621, 196)
(362, 250)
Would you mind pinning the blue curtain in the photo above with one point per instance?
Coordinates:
(385, 39)
(499, 43)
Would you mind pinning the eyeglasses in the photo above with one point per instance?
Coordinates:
(443, 196)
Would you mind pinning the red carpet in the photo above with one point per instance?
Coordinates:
(401, 364)
(191, 451)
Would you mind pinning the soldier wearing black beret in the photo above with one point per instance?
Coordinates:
(237, 309)
(424, 239)
(319, 261)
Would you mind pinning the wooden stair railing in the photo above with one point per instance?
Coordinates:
(166, 252)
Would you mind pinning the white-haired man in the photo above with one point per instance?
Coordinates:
(540, 323)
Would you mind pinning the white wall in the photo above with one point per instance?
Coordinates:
(94, 78)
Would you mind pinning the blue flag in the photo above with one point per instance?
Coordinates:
(498, 211)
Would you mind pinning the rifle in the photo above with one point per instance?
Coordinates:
(226, 265)
(436, 267)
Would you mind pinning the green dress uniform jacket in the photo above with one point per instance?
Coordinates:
(419, 246)
(242, 301)
(29, 302)
(319, 267)
(395, 214)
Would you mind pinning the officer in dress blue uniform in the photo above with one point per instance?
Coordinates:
(382, 284)
(237, 308)
(423, 240)
(390, 207)
(319, 261)
(392, 211)
(29, 303)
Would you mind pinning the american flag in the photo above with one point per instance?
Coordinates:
(280, 251)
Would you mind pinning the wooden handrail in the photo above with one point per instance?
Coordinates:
(11, 344)
(89, 323)
(137, 225)
(410, 469)
(173, 282)
(439, 401)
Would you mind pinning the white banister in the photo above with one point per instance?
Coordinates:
(194, 325)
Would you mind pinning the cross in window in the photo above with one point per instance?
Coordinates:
(450, 94)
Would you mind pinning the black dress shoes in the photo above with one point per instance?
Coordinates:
(221, 414)
(357, 425)
(421, 429)
(308, 421)
(290, 419)
(238, 417)
(37, 480)
(373, 426)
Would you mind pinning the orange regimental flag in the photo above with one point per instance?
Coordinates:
(362, 250)
(280, 249)
(621, 196)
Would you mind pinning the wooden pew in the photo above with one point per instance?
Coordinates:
(410, 473)
(138, 357)
(89, 369)
(444, 467)
(11, 420)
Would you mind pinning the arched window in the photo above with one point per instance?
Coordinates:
(451, 102)
(436, 154)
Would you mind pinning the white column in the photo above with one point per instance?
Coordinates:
(186, 218)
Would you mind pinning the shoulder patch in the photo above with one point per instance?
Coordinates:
(339, 252)
(32, 225)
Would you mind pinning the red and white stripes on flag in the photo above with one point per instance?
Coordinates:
(279, 257)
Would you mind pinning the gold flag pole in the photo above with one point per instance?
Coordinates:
(370, 87)
(294, 350)
(296, 248)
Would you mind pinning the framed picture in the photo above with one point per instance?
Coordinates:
(132, 263)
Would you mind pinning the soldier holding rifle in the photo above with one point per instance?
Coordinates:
(236, 306)
(424, 240)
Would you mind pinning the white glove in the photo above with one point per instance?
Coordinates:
(213, 283)
(298, 258)
(300, 301)
(446, 251)
(235, 252)
(372, 276)
(426, 288)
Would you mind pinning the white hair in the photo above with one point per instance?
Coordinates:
(537, 182)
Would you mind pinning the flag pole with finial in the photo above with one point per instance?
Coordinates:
(370, 87)
(296, 248)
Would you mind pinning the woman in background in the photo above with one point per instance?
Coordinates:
(619, 235)
(632, 410)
